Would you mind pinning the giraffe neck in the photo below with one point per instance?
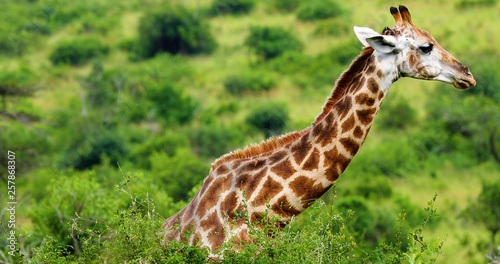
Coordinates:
(338, 132)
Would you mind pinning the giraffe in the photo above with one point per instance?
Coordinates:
(287, 174)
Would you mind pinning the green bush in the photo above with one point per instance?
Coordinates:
(174, 29)
(77, 51)
(232, 6)
(397, 113)
(318, 9)
(178, 173)
(93, 148)
(72, 204)
(214, 139)
(270, 118)
(270, 42)
(286, 5)
(249, 82)
(170, 104)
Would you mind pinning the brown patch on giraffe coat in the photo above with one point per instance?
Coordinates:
(284, 208)
(350, 145)
(325, 134)
(277, 157)
(373, 85)
(191, 206)
(371, 68)
(357, 84)
(216, 230)
(366, 116)
(270, 188)
(187, 230)
(301, 148)
(212, 195)
(251, 165)
(381, 95)
(348, 124)
(365, 99)
(313, 161)
(333, 162)
(358, 132)
(229, 204)
(412, 61)
(343, 107)
(284, 169)
(222, 169)
(307, 190)
(249, 182)
(379, 74)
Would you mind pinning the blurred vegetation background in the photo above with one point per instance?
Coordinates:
(162, 88)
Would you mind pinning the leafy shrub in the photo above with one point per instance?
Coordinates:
(486, 209)
(286, 5)
(174, 29)
(289, 62)
(333, 27)
(167, 143)
(93, 148)
(270, 118)
(249, 82)
(486, 75)
(78, 196)
(318, 9)
(397, 113)
(232, 6)
(472, 3)
(374, 188)
(178, 173)
(213, 140)
(170, 104)
(270, 42)
(77, 51)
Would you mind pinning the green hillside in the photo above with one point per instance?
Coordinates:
(88, 85)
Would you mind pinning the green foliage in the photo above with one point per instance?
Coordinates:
(214, 139)
(318, 9)
(270, 118)
(374, 188)
(473, 3)
(73, 198)
(95, 148)
(397, 114)
(170, 104)
(167, 143)
(333, 27)
(270, 42)
(178, 173)
(174, 29)
(18, 83)
(77, 51)
(486, 209)
(232, 6)
(286, 5)
(249, 81)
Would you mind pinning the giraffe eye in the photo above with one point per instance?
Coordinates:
(427, 48)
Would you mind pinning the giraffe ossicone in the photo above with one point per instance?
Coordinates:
(289, 173)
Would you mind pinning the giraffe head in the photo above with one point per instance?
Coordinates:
(416, 53)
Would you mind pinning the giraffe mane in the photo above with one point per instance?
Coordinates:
(265, 146)
(344, 81)
(273, 143)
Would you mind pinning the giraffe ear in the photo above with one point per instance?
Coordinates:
(381, 43)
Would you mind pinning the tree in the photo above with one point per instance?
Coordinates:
(270, 42)
(174, 29)
(486, 209)
(170, 104)
(16, 84)
(270, 118)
